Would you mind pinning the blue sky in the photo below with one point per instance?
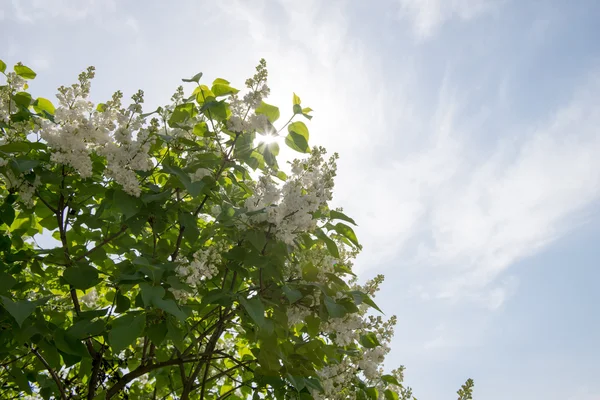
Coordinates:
(469, 139)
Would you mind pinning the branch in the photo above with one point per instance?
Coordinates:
(217, 176)
(144, 369)
(54, 210)
(226, 372)
(102, 243)
(54, 376)
(182, 228)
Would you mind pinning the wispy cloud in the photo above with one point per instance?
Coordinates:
(29, 11)
(427, 16)
(471, 216)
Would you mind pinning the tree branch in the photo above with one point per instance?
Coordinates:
(63, 395)
(102, 243)
(54, 210)
(144, 369)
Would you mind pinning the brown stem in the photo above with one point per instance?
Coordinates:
(94, 378)
(102, 243)
(55, 377)
(219, 172)
(142, 370)
(54, 210)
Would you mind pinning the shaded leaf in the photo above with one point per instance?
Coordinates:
(125, 330)
(195, 78)
(369, 340)
(20, 309)
(340, 215)
(81, 276)
(255, 309)
(347, 232)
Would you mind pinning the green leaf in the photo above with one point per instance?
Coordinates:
(15, 147)
(347, 232)
(81, 276)
(269, 111)
(255, 308)
(313, 324)
(24, 164)
(20, 309)
(221, 87)
(340, 215)
(175, 334)
(193, 188)
(86, 328)
(68, 344)
(153, 296)
(372, 393)
(269, 151)
(296, 99)
(50, 353)
(157, 332)
(360, 297)
(149, 293)
(2, 66)
(390, 395)
(123, 303)
(257, 238)
(310, 272)
(292, 295)
(125, 330)
(101, 107)
(297, 109)
(203, 94)
(297, 137)
(20, 379)
(297, 381)
(333, 309)
(281, 175)
(391, 379)
(169, 306)
(24, 72)
(195, 78)
(182, 113)
(128, 204)
(201, 129)
(160, 197)
(23, 99)
(331, 246)
(7, 214)
(6, 281)
(216, 110)
(42, 104)
(369, 340)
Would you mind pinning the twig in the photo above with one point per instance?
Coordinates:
(63, 395)
(102, 243)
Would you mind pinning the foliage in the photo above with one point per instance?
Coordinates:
(184, 263)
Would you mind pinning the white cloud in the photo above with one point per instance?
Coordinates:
(471, 216)
(133, 24)
(29, 11)
(40, 64)
(427, 16)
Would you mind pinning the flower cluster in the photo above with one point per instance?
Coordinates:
(289, 209)
(90, 299)
(203, 265)
(79, 129)
(22, 184)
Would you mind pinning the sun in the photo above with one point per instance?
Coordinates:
(265, 139)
